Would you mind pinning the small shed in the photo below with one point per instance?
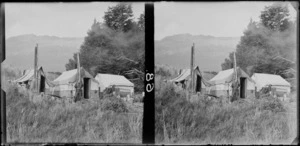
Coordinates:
(65, 84)
(277, 83)
(222, 83)
(26, 80)
(183, 80)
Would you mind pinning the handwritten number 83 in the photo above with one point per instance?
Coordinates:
(149, 86)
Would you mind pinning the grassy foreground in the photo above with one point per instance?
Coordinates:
(248, 121)
(43, 119)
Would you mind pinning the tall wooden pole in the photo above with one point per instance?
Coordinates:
(192, 68)
(235, 89)
(78, 66)
(78, 83)
(35, 68)
(235, 71)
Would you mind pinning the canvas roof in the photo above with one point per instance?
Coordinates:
(262, 80)
(207, 75)
(29, 76)
(227, 76)
(71, 76)
(185, 74)
(107, 80)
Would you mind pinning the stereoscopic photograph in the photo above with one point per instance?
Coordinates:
(74, 72)
(226, 72)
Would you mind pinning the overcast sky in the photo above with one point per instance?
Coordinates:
(221, 19)
(57, 19)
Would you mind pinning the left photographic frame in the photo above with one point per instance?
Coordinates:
(72, 72)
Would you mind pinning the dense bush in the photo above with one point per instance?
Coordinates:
(204, 121)
(8, 74)
(138, 98)
(272, 104)
(162, 72)
(112, 103)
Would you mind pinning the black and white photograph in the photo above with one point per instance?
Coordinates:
(226, 72)
(74, 72)
(162, 73)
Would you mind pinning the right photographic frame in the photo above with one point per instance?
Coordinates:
(226, 72)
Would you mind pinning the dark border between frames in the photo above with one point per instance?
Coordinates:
(148, 115)
(296, 140)
(2, 56)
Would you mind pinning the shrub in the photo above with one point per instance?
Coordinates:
(9, 72)
(138, 98)
(112, 103)
(272, 104)
(169, 109)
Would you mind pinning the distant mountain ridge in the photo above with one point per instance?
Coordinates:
(210, 51)
(29, 36)
(53, 53)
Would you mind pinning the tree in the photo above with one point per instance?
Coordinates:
(119, 17)
(275, 17)
(72, 63)
(248, 48)
(274, 35)
(110, 49)
(141, 22)
(228, 62)
(97, 44)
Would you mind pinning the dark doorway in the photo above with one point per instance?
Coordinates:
(198, 83)
(42, 84)
(183, 84)
(86, 88)
(242, 87)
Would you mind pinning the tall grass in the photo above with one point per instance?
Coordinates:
(204, 121)
(43, 119)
